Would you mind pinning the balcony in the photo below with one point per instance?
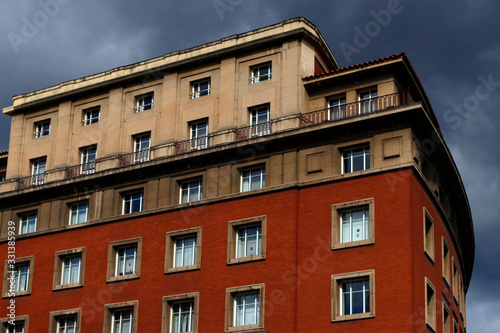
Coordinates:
(216, 139)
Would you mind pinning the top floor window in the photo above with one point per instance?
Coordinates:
(200, 88)
(144, 102)
(337, 108)
(92, 116)
(368, 101)
(261, 73)
(42, 128)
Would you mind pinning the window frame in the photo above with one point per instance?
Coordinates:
(168, 301)
(88, 116)
(21, 222)
(56, 315)
(429, 246)
(336, 228)
(77, 205)
(142, 154)
(6, 293)
(88, 166)
(183, 183)
(446, 264)
(37, 177)
(446, 319)
(4, 323)
(196, 91)
(113, 248)
(338, 111)
(454, 268)
(243, 170)
(430, 305)
(39, 128)
(233, 292)
(57, 281)
(371, 98)
(140, 100)
(171, 236)
(197, 141)
(109, 317)
(336, 295)
(366, 158)
(260, 128)
(258, 78)
(124, 201)
(232, 234)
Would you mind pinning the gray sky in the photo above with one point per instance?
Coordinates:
(454, 47)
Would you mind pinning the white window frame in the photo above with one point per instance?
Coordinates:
(193, 256)
(76, 211)
(118, 328)
(140, 102)
(40, 129)
(25, 221)
(365, 224)
(368, 101)
(197, 92)
(366, 158)
(90, 116)
(128, 199)
(65, 327)
(256, 72)
(18, 273)
(14, 328)
(337, 108)
(365, 291)
(173, 312)
(123, 258)
(38, 169)
(186, 187)
(258, 127)
(66, 261)
(142, 151)
(198, 141)
(88, 160)
(256, 308)
(246, 177)
(245, 241)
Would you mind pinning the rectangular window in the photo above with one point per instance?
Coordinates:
(191, 190)
(199, 135)
(124, 259)
(21, 277)
(200, 88)
(246, 240)
(368, 101)
(337, 108)
(355, 225)
(253, 178)
(19, 324)
(27, 223)
(132, 202)
(42, 128)
(39, 166)
(144, 102)
(446, 262)
(430, 305)
(2, 176)
(89, 155)
(69, 268)
(67, 324)
(142, 148)
(121, 317)
(356, 159)
(180, 313)
(92, 116)
(261, 73)
(428, 235)
(122, 320)
(18, 327)
(79, 213)
(455, 326)
(183, 250)
(260, 121)
(446, 318)
(455, 280)
(18, 277)
(353, 295)
(245, 307)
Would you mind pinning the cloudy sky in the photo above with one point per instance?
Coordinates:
(454, 47)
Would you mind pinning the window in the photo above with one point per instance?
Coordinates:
(200, 88)
(142, 145)
(191, 190)
(368, 101)
(353, 223)
(353, 295)
(132, 202)
(356, 159)
(199, 135)
(247, 240)
(38, 171)
(79, 213)
(20, 325)
(245, 308)
(455, 280)
(92, 116)
(69, 268)
(337, 108)
(2, 176)
(446, 318)
(121, 317)
(144, 102)
(18, 276)
(446, 262)
(260, 121)
(183, 250)
(430, 305)
(27, 223)
(253, 178)
(88, 160)
(42, 128)
(65, 321)
(428, 235)
(261, 73)
(455, 326)
(180, 313)
(124, 259)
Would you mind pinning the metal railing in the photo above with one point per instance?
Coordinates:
(221, 138)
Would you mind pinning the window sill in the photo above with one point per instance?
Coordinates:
(16, 294)
(123, 278)
(430, 327)
(356, 316)
(246, 329)
(363, 242)
(235, 261)
(67, 286)
(183, 269)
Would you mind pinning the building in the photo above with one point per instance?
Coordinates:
(245, 185)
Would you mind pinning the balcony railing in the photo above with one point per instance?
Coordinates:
(221, 138)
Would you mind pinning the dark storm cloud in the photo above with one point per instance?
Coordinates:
(453, 45)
